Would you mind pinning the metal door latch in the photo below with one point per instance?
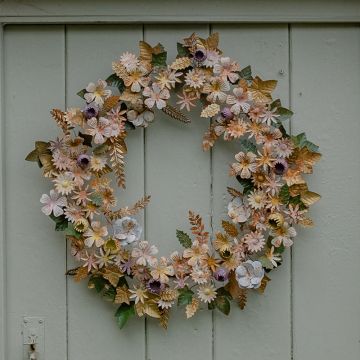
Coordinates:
(33, 331)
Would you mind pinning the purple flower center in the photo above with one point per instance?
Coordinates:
(221, 274)
(83, 160)
(199, 55)
(280, 167)
(226, 113)
(90, 111)
(154, 286)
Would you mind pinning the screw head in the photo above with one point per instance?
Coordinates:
(41, 321)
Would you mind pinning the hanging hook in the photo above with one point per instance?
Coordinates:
(32, 352)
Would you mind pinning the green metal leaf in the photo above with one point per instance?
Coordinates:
(301, 141)
(247, 184)
(159, 59)
(284, 194)
(182, 50)
(123, 313)
(222, 303)
(185, 296)
(82, 93)
(284, 113)
(96, 199)
(184, 238)
(245, 73)
(247, 145)
(114, 80)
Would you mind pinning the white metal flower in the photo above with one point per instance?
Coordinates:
(127, 230)
(249, 274)
(237, 211)
(97, 93)
(53, 203)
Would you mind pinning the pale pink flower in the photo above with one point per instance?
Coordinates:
(246, 164)
(144, 254)
(162, 270)
(212, 58)
(216, 89)
(195, 78)
(255, 241)
(186, 100)
(89, 261)
(53, 203)
(227, 69)
(156, 96)
(269, 116)
(239, 101)
(129, 61)
(283, 235)
(99, 129)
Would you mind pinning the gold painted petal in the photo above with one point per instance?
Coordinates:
(309, 198)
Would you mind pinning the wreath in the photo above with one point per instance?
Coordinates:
(211, 271)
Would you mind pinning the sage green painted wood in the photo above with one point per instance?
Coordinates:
(262, 330)
(178, 178)
(180, 11)
(93, 332)
(326, 88)
(2, 207)
(35, 255)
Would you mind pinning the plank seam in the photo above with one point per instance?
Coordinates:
(291, 249)
(3, 276)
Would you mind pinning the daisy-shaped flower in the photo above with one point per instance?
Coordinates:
(283, 235)
(139, 294)
(237, 211)
(274, 258)
(249, 274)
(239, 101)
(257, 199)
(73, 212)
(255, 241)
(283, 148)
(95, 234)
(269, 116)
(104, 258)
(168, 78)
(295, 214)
(97, 162)
(64, 183)
(207, 293)
(216, 89)
(82, 196)
(200, 274)
(97, 93)
(99, 129)
(272, 185)
(53, 203)
(246, 164)
(89, 261)
(195, 78)
(162, 270)
(61, 160)
(129, 61)
(236, 128)
(156, 96)
(227, 69)
(127, 230)
(144, 253)
(186, 100)
(255, 112)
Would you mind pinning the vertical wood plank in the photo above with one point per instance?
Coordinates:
(262, 330)
(2, 206)
(92, 326)
(326, 88)
(178, 178)
(35, 256)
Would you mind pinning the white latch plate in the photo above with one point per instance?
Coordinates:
(33, 330)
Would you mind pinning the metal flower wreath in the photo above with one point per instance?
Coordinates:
(271, 199)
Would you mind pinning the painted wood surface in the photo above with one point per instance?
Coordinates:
(189, 11)
(312, 307)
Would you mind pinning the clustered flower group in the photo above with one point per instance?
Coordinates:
(262, 213)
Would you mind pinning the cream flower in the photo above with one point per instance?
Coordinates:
(257, 199)
(129, 61)
(207, 293)
(97, 162)
(269, 116)
(53, 203)
(195, 79)
(162, 270)
(239, 101)
(138, 294)
(95, 234)
(273, 257)
(140, 119)
(246, 164)
(156, 96)
(283, 235)
(97, 93)
(64, 183)
(216, 89)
